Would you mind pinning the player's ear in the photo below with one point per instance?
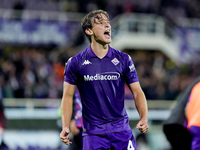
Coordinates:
(89, 31)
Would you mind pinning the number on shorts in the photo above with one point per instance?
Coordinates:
(130, 145)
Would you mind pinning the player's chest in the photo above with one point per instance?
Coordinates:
(95, 65)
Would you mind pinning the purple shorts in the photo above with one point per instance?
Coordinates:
(123, 140)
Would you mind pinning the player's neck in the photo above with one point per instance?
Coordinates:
(99, 49)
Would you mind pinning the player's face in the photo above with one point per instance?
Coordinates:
(101, 29)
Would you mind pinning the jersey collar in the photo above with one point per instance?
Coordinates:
(93, 55)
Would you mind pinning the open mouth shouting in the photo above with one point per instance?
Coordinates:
(107, 34)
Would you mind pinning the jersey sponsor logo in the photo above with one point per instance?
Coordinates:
(102, 76)
(132, 68)
(115, 61)
(86, 62)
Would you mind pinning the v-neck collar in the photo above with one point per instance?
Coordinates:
(93, 55)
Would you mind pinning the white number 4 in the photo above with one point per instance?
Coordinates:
(130, 145)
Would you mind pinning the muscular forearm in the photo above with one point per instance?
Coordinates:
(141, 105)
(67, 104)
(140, 100)
(66, 112)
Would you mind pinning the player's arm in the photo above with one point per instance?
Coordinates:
(141, 106)
(186, 110)
(66, 111)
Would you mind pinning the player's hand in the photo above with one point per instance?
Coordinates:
(142, 126)
(64, 136)
(74, 130)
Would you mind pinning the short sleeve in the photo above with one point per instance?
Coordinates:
(130, 71)
(70, 71)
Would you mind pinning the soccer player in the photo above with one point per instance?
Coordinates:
(192, 112)
(100, 73)
(182, 128)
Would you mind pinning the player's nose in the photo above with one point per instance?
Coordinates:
(107, 25)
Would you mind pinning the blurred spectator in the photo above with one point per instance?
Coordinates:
(70, 6)
(3, 119)
(18, 7)
(193, 9)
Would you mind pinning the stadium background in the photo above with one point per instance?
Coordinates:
(38, 36)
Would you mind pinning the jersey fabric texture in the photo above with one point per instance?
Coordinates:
(101, 85)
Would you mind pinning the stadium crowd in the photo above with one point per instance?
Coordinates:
(38, 73)
(168, 8)
(32, 72)
(161, 78)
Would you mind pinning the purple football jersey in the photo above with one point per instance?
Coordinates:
(101, 85)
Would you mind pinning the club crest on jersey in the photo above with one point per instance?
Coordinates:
(115, 61)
